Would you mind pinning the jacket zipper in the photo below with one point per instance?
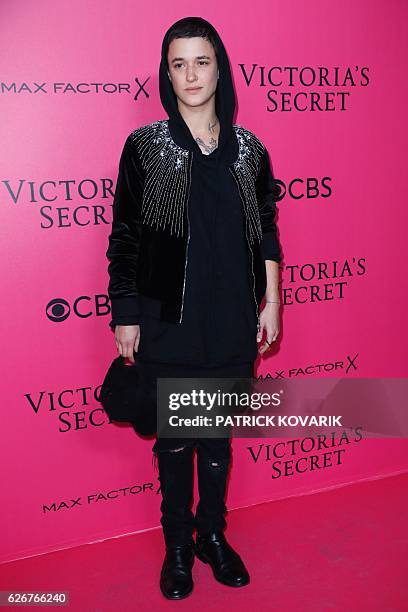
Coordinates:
(188, 239)
(249, 246)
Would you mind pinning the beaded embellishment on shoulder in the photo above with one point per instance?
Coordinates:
(247, 167)
(167, 177)
(250, 147)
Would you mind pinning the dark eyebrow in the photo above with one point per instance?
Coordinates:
(178, 59)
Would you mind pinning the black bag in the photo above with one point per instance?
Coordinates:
(129, 394)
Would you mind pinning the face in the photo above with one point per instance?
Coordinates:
(193, 70)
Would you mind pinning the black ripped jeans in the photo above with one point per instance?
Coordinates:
(174, 459)
(175, 468)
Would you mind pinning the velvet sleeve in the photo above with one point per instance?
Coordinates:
(268, 191)
(124, 239)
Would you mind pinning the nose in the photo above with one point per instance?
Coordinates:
(190, 74)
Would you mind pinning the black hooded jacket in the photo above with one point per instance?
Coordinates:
(194, 291)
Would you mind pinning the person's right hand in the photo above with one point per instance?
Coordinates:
(127, 339)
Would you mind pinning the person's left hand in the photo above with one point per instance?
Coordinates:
(268, 323)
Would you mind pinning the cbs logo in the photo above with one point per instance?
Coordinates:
(84, 306)
(300, 188)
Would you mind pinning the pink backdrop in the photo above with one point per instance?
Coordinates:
(337, 145)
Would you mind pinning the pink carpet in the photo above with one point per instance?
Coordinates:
(344, 549)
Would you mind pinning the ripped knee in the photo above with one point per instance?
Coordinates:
(215, 459)
(218, 464)
(170, 450)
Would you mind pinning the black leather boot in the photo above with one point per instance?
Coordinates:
(176, 484)
(225, 562)
(176, 580)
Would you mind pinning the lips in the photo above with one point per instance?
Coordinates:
(193, 88)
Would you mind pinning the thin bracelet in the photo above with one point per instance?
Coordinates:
(272, 302)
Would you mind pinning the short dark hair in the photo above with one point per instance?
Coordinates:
(188, 28)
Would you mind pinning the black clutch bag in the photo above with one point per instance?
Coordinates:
(129, 394)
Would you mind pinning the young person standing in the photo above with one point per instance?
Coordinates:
(193, 251)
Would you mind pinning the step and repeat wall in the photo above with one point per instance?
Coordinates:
(322, 84)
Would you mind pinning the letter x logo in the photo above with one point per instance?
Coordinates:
(351, 362)
(141, 88)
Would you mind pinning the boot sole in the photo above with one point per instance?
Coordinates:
(221, 580)
(178, 596)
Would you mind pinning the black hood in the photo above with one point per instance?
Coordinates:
(225, 100)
